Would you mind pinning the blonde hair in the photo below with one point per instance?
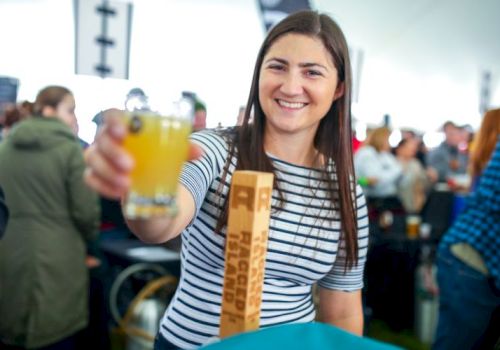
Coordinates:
(378, 138)
(484, 142)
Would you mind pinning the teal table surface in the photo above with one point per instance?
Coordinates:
(299, 337)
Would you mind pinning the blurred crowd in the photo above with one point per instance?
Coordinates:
(53, 217)
(400, 177)
(401, 180)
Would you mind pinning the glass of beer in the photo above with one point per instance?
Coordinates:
(413, 226)
(158, 143)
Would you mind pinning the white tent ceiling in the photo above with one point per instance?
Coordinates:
(455, 37)
(423, 59)
(450, 43)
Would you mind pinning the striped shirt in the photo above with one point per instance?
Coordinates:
(304, 247)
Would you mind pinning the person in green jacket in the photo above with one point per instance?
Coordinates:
(43, 277)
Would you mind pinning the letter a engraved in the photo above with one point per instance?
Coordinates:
(243, 195)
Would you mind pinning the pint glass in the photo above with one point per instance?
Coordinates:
(158, 143)
(413, 226)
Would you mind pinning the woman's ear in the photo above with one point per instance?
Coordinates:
(48, 111)
(339, 91)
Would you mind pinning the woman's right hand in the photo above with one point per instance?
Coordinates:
(108, 164)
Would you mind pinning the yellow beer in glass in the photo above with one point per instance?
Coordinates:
(159, 146)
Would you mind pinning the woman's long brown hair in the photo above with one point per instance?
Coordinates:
(333, 137)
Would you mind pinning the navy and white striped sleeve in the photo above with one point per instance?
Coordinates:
(198, 175)
(352, 279)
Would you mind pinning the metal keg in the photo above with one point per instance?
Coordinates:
(141, 320)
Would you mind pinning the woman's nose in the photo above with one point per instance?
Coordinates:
(292, 84)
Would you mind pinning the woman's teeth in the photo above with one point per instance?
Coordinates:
(293, 105)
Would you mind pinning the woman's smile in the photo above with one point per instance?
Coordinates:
(290, 105)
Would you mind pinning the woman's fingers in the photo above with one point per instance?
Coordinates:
(113, 124)
(105, 189)
(195, 152)
(104, 169)
(110, 148)
(103, 177)
(108, 165)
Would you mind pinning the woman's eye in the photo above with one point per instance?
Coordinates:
(314, 73)
(276, 67)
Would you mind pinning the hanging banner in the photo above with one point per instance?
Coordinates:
(274, 11)
(102, 40)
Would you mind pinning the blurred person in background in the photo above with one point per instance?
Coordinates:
(421, 149)
(379, 172)
(12, 115)
(135, 97)
(466, 137)
(468, 255)
(446, 161)
(26, 109)
(200, 111)
(72, 122)
(44, 279)
(414, 183)
(200, 116)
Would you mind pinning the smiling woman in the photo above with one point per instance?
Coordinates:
(301, 132)
(298, 84)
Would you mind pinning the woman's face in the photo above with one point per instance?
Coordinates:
(66, 112)
(386, 146)
(408, 149)
(298, 84)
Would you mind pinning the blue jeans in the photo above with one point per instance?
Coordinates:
(466, 302)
